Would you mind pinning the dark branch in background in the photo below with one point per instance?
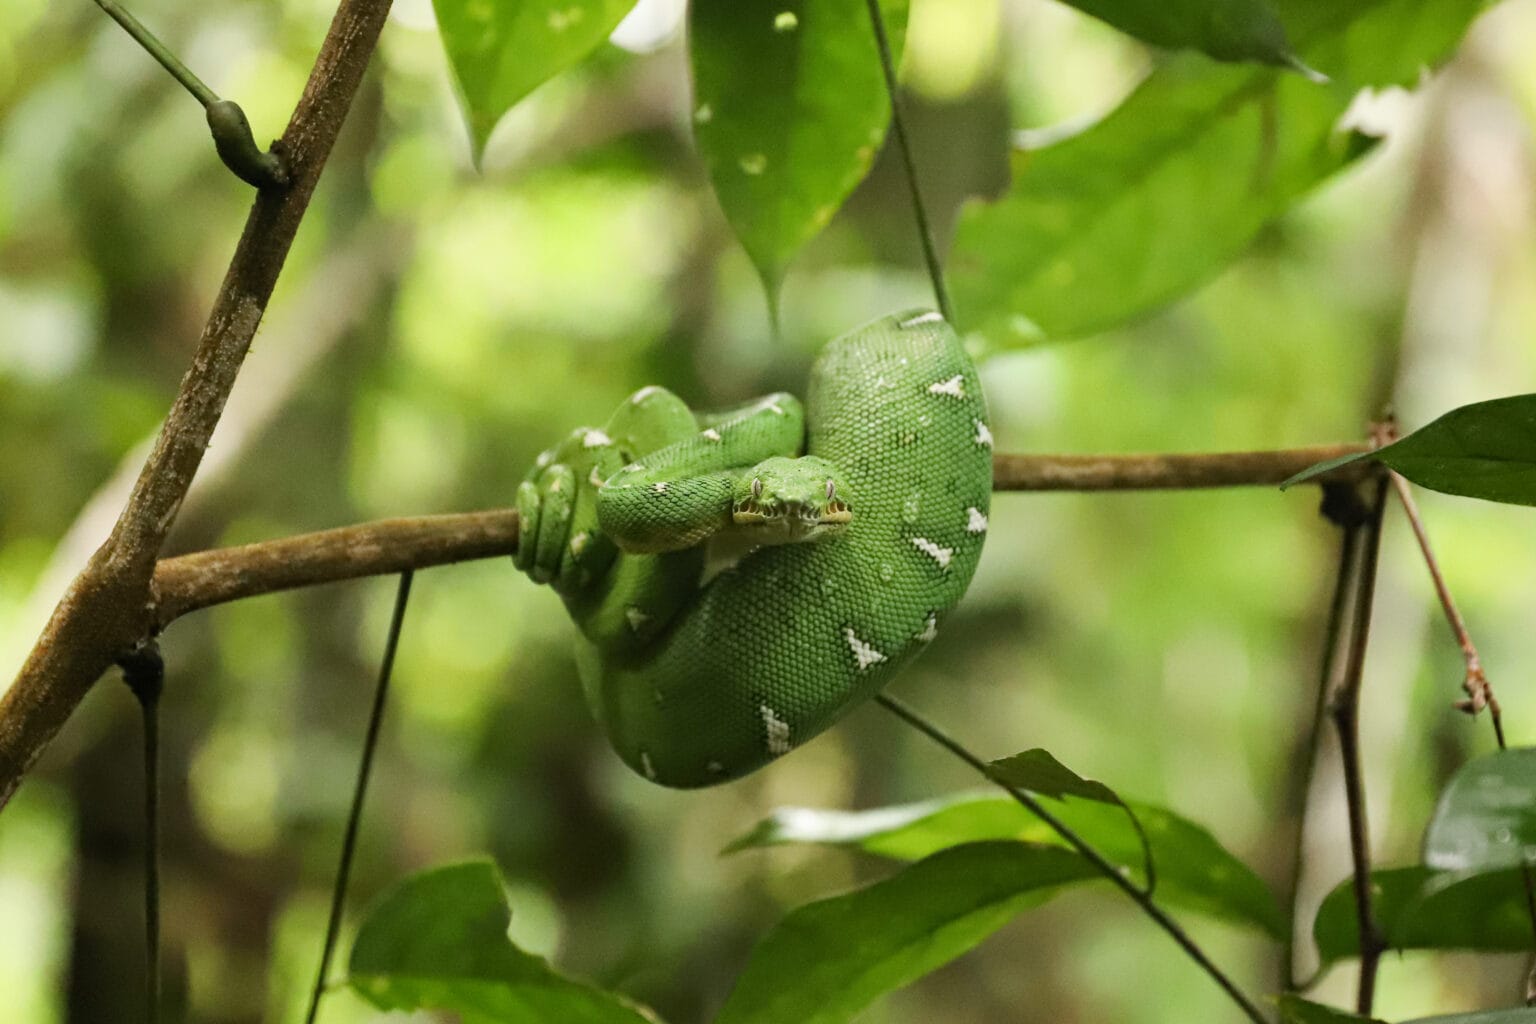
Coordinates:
(190, 582)
(106, 611)
(1345, 710)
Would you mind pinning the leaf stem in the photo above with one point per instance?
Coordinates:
(904, 145)
(158, 50)
(355, 815)
(1142, 899)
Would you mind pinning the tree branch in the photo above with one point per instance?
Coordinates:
(1172, 472)
(107, 608)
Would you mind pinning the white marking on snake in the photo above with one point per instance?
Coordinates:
(712, 434)
(930, 630)
(557, 486)
(595, 439)
(777, 409)
(646, 392)
(595, 478)
(660, 487)
(923, 318)
(543, 459)
(976, 521)
(863, 652)
(938, 554)
(954, 387)
(983, 434)
(645, 763)
(636, 617)
(579, 542)
(777, 730)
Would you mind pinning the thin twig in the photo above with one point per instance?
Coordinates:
(1478, 690)
(1341, 505)
(144, 672)
(1173, 472)
(904, 145)
(1346, 719)
(106, 611)
(359, 792)
(1088, 852)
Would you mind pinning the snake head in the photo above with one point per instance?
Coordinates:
(786, 501)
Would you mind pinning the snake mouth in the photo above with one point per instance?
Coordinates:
(790, 516)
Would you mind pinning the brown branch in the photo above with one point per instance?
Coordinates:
(106, 609)
(1170, 472)
(206, 578)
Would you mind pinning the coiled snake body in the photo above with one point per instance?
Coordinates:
(743, 579)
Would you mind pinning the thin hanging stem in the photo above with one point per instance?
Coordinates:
(354, 817)
(158, 50)
(1142, 899)
(899, 127)
(144, 672)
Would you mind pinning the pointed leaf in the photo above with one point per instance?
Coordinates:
(1420, 908)
(438, 940)
(1232, 30)
(790, 108)
(1152, 201)
(1486, 450)
(1296, 1010)
(1196, 872)
(828, 960)
(500, 52)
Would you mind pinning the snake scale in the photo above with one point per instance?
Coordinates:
(742, 579)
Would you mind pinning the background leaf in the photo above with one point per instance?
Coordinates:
(1420, 908)
(1296, 1010)
(1232, 30)
(828, 960)
(1486, 817)
(500, 52)
(438, 940)
(1195, 872)
(1175, 182)
(790, 108)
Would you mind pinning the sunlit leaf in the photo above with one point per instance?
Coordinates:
(500, 52)
(1420, 908)
(1153, 200)
(1486, 818)
(1296, 1010)
(438, 940)
(1514, 1015)
(1233, 30)
(1195, 872)
(828, 960)
(790, 108)
(1485, 450)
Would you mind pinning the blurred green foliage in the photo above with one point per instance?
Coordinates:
(435, 328)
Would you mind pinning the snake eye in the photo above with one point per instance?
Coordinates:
(757, 487)
(831, 489)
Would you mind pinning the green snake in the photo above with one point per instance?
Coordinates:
(742, 579)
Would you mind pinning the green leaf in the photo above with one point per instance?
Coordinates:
(1486, 450)
(790, 108)
(1420, 908)
(1153, 200)
(1296, 1010)
(438, 940)
(1231, 30)
(1514, 1015)
(500, 52)
(1325, 466)
(1039, 772)
(1486, 818)
(1196, 873)
(828, 960)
